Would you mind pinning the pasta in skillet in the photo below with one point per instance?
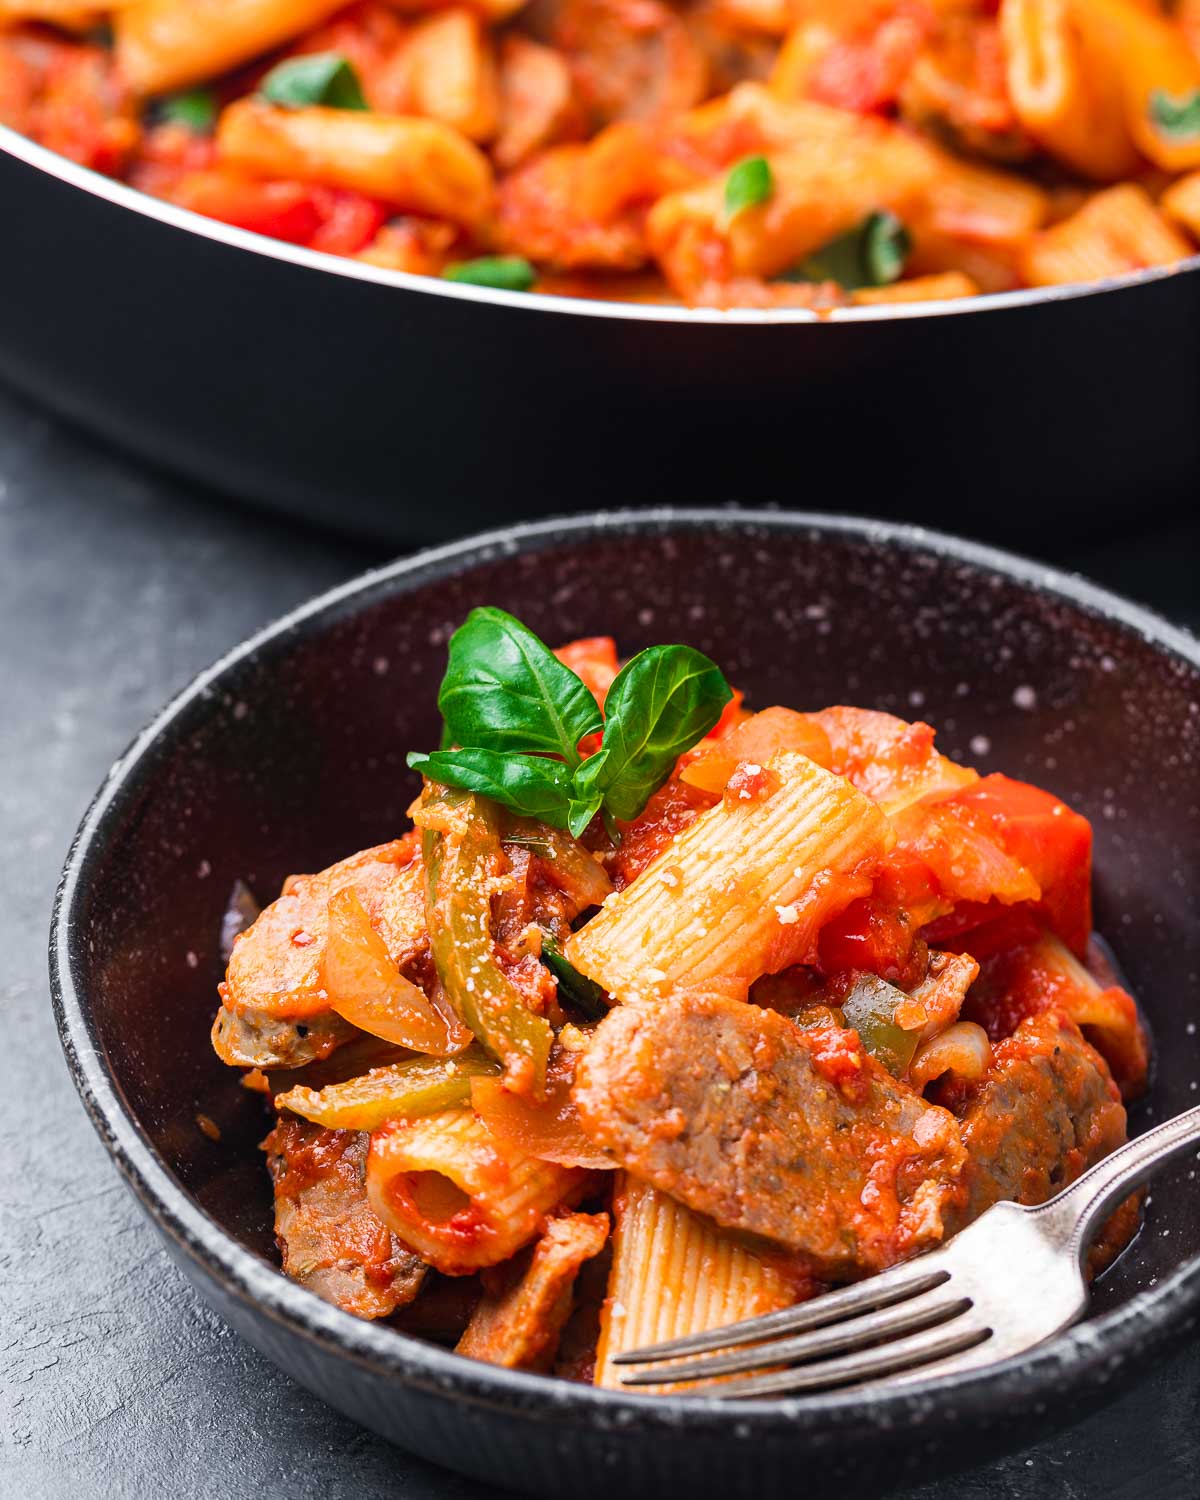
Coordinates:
(668, 1013)
(718, 153)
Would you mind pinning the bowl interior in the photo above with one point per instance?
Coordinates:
(292, 755)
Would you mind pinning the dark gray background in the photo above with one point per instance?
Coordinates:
(115, 586)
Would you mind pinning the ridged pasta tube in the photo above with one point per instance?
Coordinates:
(675, 1272)
(445, 1186)
(422, 166)
(169, 44)
(742, 891)
(1117, 231)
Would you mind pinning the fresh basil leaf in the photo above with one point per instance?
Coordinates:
(528, 784)
(661, 703)
(871, 254)
(314, 78)
(504, 690)
(1177, 116)
(509, 273)
(196, 109)
(582, 992)
(749, 183)
(581, 812)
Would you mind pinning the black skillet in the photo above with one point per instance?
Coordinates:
(415, 409)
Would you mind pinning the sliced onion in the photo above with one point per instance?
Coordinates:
(962, 1049)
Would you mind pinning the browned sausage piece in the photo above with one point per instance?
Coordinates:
(799, 1137)
(330, 1240)
(1048, 1111)
(519, 1325)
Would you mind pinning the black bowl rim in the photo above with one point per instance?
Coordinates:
(85, 178)
(1082, 1359)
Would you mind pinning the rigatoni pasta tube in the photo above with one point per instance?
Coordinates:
(742, 891)
(169, 44)
(445, 1186)
(422, 166)
(675, 1272)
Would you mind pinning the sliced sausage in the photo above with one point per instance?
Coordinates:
(329, 1239)
(796, 1136)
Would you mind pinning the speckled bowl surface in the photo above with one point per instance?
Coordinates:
(290, 753)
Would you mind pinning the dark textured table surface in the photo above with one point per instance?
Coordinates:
(115, 586)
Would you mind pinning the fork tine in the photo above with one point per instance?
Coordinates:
(867, 1365)
(831, 1307)
(853, 1333)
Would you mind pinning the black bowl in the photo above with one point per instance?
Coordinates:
(417, 409)
(290, 752)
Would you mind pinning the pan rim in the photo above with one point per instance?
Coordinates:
(121, 195)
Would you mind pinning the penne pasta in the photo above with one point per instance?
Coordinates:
(1117, 231)
(446, 71)
(675, 1272)
(822, 189)
(1181, 203)
(491, 10)
(446, 1187)
(743, 890)
(420, 165)
(169, 44)
(1065, 94)
(946, 286)
(69, 14)
(1150, 58)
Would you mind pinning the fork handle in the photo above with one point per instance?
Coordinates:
(1074, 1214)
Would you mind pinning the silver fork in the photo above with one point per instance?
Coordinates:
(966, 1305)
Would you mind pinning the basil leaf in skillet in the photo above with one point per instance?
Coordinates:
(1176, 116)
(316, 78)
(196, 109)
(508, 273)
(748, 183)
(871, 254)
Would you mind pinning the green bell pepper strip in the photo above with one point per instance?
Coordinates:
(870, 1009)
(403, 1090)
(460, 843)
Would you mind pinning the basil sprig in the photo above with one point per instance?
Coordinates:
(1176, 116)
(509, 705)
(324, 78)
(871, 254)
